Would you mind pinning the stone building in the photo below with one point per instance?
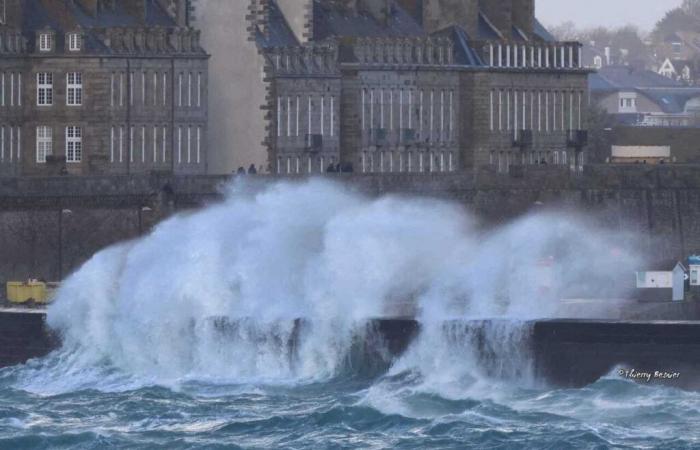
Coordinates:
(416, 86)
(101, 87)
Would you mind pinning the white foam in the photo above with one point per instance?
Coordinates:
(313, 250)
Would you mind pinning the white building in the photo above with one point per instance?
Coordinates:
(660, 285)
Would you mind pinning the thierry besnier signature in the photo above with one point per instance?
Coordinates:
(647, 376)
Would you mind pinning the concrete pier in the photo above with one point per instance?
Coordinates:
(574, 353)
(567, 353)
(23, 336)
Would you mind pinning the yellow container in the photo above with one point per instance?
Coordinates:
(19, 292)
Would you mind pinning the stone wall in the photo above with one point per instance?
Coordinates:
(49, 226)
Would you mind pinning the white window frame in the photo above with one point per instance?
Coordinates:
(75, 42)
(74, 89)
(44, 143)
(74, 144)
(44, 85)
(179, 90)
(199, 148)
(164, 143)
(199, 90)
(45, 42)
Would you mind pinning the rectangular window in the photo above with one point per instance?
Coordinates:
(163, 142)
(289, 116)
(199, 90)
(44, 143)
(155, 144)
(12, 89)
(44, 88)
(189, 89)
(74, 42)
(132, 88)
(19, 89)
(2, 12)
(179, 90)
(491, 110)
(121, 89)
(2, 89)
(121, 144)
(143, 144)
(364, 106)
(165, 89)
(500, 110)
(279, 116)
(45, 42)
(323, 124)
(131, 144)
(111, 145)
(554, 110)
(189, 145)
(199, 147)
(179, 145)
(508, 116)
(155, 88)
(111, 90)
(74, 144)
(143, 88)
(74, 89)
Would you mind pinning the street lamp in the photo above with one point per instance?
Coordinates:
(61, 213)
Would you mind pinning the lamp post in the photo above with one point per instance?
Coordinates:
(61, 213)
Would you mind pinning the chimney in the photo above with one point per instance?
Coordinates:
(413, 7)
(379, 9)
(177, 9)
(440, 14)
(14, 10)
(500, 14)
(135, 8)
(524, 15)
(90, 6)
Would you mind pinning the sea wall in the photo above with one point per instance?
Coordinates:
(49, 226)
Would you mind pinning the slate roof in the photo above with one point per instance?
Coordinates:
(331, 21)
(486, 30)
(670, 95)
(280, 34)
(63, 16)
(541, 32)
(463, 54)
(625, 77)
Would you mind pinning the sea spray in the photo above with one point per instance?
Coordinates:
(269, 258)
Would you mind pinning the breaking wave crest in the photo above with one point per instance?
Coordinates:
(281, 284)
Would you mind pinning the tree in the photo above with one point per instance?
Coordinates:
(677, 20)
(691, 8)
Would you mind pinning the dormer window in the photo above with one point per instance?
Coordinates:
(75, 42)
(45, 42)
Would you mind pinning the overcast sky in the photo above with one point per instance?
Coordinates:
(608, 13)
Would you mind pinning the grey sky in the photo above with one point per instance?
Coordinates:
(609, 13)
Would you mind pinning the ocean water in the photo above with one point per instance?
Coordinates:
(249, 324)
(424, 400)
